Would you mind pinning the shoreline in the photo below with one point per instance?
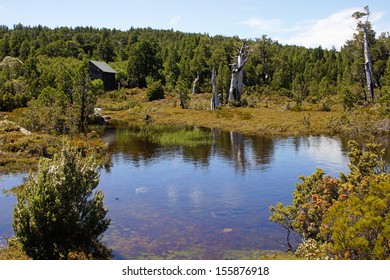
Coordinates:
(268, 118)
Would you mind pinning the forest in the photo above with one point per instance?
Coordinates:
(45, 86)
(41, 63)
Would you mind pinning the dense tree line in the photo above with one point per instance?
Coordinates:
(47, 59)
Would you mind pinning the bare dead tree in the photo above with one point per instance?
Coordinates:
(237, 84)
(215, 102)
(195, 82)
(367, 60)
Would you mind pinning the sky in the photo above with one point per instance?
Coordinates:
(309, 23)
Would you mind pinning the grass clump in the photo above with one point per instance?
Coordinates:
(167, 135)
(185, 137)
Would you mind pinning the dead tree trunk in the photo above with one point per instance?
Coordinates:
(237, 83)
(215, 99)
(368, 66)
(367, 61)
(195, 82)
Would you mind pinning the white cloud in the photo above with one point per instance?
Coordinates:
(333, 30)
(174, 20)
(262, 24)
(330, 31)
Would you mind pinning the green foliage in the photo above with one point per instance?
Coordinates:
(105, 48)
(12, 87)
(60, 215)
(155, 90)
(165, 55)
(169, 135)
(84, 97)
(366, 167)
(182, 93)
(359, 227)
(97, 87)
(299, 89)
(342, 218)
(285, 217)
(385, 99)
(56, 119)
(312, 198)
(13, 251)
(143, 62)
(348, 99)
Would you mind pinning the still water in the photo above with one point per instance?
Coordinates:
(206, 201)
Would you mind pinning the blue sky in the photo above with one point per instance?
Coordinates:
(302, 22)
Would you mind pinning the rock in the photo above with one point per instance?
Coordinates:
(24, 131)
(97, 111)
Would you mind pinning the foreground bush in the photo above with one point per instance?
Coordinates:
(59, 215)
(359, 228)
(344, 218)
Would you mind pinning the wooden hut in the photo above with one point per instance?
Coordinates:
(104, 72)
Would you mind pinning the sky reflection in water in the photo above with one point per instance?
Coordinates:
(204, 202)
(207, 201)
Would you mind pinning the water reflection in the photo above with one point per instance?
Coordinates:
(199, 201)
(242, 152)
(7, 202)
(209, 200)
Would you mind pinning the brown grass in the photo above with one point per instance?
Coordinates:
(269, 116)
(269, 119)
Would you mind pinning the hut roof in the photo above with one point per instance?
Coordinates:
(104, 67)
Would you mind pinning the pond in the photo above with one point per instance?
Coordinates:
(206, 201)
(198, 193)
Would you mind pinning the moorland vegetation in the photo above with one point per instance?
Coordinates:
(164, 77)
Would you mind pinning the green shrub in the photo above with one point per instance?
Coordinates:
(97, 87)
(155, 90)
(348, 99)
(59, 215)
(345, 218)
(360, 228)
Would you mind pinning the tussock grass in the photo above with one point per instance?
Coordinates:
(166, 135)
(270, 116)
(185, 137)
